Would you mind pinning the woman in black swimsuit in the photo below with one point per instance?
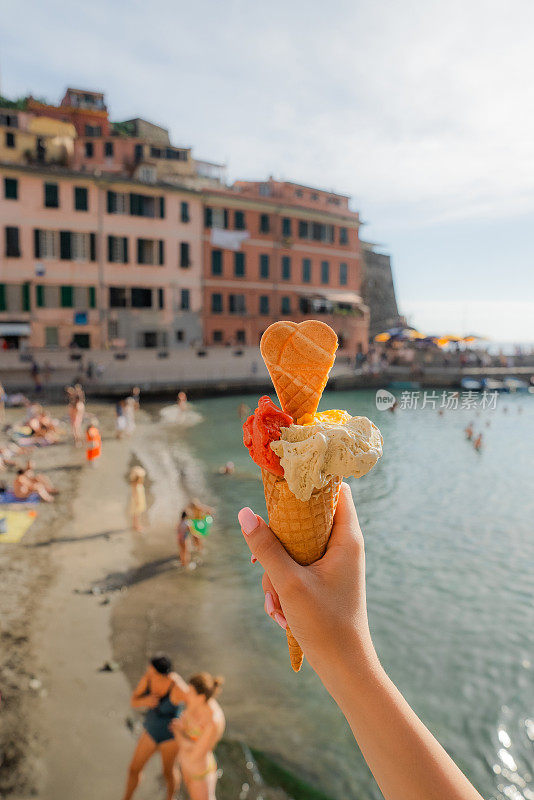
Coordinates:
(163, 693)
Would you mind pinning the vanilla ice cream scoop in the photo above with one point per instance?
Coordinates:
(312, 454)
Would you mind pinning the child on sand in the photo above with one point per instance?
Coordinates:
(138, 496)
(94, 443)
(184, 541)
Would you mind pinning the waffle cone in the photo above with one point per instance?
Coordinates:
(303, 527)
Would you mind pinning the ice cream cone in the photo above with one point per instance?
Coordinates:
(303, 527)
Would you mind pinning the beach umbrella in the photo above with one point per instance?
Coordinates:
(383, 337)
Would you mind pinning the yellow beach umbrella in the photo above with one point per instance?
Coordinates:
(383, 337)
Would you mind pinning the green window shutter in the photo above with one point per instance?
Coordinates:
(40, 296)
(36, 243)
(162, 207)
(125, 249)
(92, 297)
(110, 248)
(3, 304)
(161, 252)
(67, 297)
(208, 217)
(92, 246)
(139, 251)
(225, 217)
(65, 250)
(26, 296)
(112, 202)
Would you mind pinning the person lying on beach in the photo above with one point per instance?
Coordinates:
(197, 733)
(163, 692)
(325, 606)
(39, 478)
(24, 487)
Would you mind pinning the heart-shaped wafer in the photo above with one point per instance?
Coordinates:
(299, 357)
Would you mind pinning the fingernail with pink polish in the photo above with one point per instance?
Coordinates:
(269, 603)
(248, 520)
(280, 619)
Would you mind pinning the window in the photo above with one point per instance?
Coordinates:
(113, 329)
(306, 270)
(51, 195)
(239, 265)
(150, 251)
(325, 272)
(343, 272)
(118, 249)
(80, 198)
(11, 189)
(303, 229)
(66, 296)
(264, 304)
(220, 218)
(216, 262)
(80, 246)
(10, 139)
(343, 236)
(298, 192)
(180, 335)
(314, 196)
(185, 260)
(12, 242)
(265, 223)
(237, 304)
(117, 299)
(239, 221)
(89, 150)
(241, 337)
(46, 244)
(286, 226)
(93, 130)
(108, 149)
(286, 268)
(117, 203)
(161, 298)
(216, 304)
(142, 205)
(184, 299)
(138, 152)
(141, 297)
(51, 336)
(264, 265)
(217, 336)
(184, 211)
(285, 305)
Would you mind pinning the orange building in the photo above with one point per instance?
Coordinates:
(275, 250)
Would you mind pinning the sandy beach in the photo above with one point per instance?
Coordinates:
(67, 729)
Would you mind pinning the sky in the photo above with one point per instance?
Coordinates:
(422, 111)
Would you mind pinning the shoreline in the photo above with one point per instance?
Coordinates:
(80, 573)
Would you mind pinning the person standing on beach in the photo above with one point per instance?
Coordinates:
(94, 444)
(162, 692)
(184, 533)
(197, 733)
(76, 404)
(138, 497)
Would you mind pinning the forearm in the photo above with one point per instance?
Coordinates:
(404, 757)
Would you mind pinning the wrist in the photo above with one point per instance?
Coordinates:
(351, 668)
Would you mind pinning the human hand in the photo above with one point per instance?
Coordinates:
(151, 701)
(324, 604)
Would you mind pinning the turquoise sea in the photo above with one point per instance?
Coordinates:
(449, 536)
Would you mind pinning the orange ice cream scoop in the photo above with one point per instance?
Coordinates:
(262, 428)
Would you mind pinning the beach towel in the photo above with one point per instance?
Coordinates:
(9, 497)
(16, 524)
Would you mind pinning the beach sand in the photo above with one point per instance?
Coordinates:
(66, 729)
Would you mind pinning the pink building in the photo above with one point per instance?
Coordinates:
(95, 261)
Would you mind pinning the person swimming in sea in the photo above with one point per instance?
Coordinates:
(469, 431)
(163, 693)
(477, 444)
(197, 732)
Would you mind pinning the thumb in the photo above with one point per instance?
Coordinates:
(265, 546)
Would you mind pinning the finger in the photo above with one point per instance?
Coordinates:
(272, 602)
(266, 547)
(346, 528)
(267, 586)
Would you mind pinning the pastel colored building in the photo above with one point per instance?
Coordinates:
(276, 250)
(96, 261)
